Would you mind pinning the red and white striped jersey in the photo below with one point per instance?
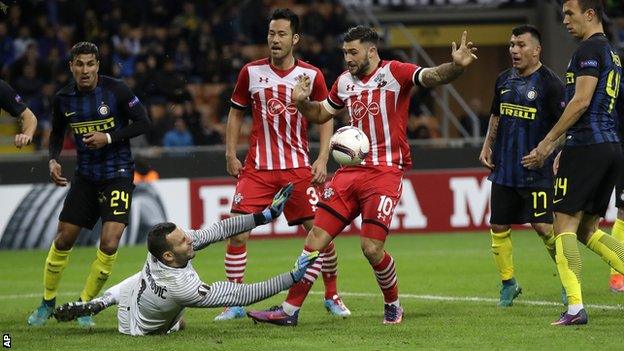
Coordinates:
(378, 104)
(279, 137)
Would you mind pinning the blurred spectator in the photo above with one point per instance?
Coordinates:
(179, 136)
(484, 118)
(143, 171)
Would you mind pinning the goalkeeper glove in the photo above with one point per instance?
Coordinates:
(277, 206)
(301, 265)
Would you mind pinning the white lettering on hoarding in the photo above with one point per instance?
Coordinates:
(408, 209)
(469, 196)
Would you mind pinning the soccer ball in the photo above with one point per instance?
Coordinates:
(349, 146)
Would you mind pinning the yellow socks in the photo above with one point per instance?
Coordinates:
(501, 250)
(568, 260)
(55, 263)
(100, 271)
(609, 248)
(618, 233)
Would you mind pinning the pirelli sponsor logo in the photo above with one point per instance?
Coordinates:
(511, 110)
(99, 125)
(569, 77)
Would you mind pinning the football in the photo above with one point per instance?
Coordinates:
(349, 146)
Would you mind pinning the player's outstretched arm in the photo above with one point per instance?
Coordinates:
(485, 157)
(232, 133)
(463, 56)
(311, 110)
(224, 294)
(229, 227)
(55, 145)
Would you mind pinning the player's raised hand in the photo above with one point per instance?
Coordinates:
(233, 166)
(55, 173)
(22, 140)
(465, 54)
(302, 89)
(95, 140)
(279, 201)
(301, 265)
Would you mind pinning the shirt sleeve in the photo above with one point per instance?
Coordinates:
(240, 96)
(221, 230)
(10, 100)
(333, 104)
(588, 61)
(319, 88)
(407, 74)
(190, 291)
(495, 108)
(131, 107)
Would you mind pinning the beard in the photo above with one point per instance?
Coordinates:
(362, 68)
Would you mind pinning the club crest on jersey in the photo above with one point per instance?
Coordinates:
(359, 110)
(18, 98)
(103, 110)
(328, 193)
(276, 107)
(532, 94)
(238, 197)
(381, 82)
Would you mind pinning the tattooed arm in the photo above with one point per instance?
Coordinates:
(490, 138)
(447, 72)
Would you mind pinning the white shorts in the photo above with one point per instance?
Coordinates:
(127, 310)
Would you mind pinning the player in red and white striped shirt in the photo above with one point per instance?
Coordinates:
(376, 95)
(278, 151)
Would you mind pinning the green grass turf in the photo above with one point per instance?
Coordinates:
(429, 267)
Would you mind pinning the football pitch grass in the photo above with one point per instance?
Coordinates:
(448, 285)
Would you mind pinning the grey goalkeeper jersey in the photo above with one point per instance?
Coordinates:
(163, 292)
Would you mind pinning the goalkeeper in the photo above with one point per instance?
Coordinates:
(153, 300)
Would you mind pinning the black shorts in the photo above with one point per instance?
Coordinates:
(511, 205)
(586, 177)
(86, 202)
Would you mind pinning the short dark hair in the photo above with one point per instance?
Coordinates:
(157, 239)
(84, 48)
(596, 5)
(288, 15)
(527, 28)
(364, 34)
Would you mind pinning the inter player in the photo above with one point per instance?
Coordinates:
(153, 300)
(11, 102)
(591, 159)
(376, 95)
(528, 100)
(98, 109)
(278, 152)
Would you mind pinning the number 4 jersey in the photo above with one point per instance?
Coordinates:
(595, 57)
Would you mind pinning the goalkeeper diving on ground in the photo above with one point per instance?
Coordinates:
(153, 300)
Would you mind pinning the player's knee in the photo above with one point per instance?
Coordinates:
(542, 229)
(109, 246)
(499, 228)
(317, 238)
(373, 250)
(239, 240)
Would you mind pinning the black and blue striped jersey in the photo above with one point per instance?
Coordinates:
(108, 108)
(595, 57)
(10, 101)
(528, 108)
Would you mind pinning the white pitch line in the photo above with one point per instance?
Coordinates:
(476, 299)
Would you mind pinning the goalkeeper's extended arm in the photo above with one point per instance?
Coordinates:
(229, 227)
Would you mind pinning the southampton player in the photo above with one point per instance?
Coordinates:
(98, 110)
(528, 100)
(153, 300)
(591, 159)
(278, 152)
(11, 102)
(376, 94)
